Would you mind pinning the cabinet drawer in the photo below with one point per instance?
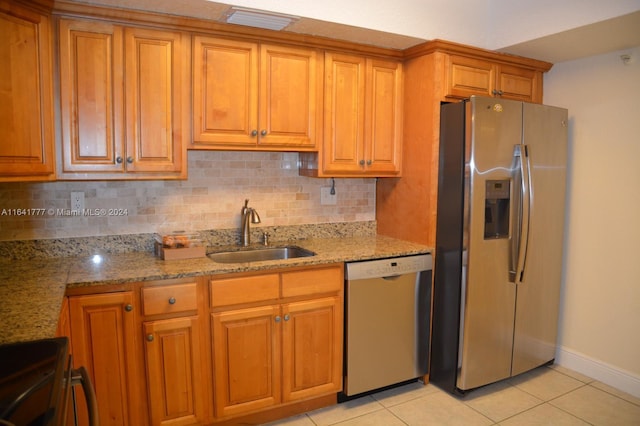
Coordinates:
(313, 281)
(231, 291)
(169, 299)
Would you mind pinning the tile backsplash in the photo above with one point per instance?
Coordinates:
(219, 182)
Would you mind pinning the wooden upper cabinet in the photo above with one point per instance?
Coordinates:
(255, 96)
(466, 76)
(26, 96)
(124, 101)
(362, 119)
(91, 96)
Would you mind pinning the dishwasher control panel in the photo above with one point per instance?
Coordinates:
(388, 267)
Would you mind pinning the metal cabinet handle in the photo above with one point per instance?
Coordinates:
(150, 337)
(362, 162)
(129, 159)
(128, 307)
(278, 318)
(369, 162)
(263, 132)
(172, 300)
(254, 133)
(119, 159)
(287, 317)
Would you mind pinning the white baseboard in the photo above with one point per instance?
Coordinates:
(613, 376)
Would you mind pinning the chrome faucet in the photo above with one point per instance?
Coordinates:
(248, 215)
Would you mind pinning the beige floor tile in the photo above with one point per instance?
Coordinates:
(438, 409)
(395, 396)
(570, 373)
(377, 418)
(598, 407)
(545, 383)
(345, 411)
(543, 415)
(300, 420)
(500, 401)
(616, 392)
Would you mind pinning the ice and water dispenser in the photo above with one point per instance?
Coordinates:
(496, 209)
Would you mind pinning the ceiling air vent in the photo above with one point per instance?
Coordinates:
(259, 19)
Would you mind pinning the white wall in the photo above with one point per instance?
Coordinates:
(491, 24)
(599, 331)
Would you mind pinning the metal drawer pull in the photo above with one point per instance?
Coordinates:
(128, 307)
(172, 300)
(150, 337)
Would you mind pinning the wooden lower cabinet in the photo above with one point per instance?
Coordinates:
(274, 347)
(103, 332)
(246, 359)
(173, 359)
(311, 348)
(281, 351)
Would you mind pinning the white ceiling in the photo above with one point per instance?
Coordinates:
(550, 30)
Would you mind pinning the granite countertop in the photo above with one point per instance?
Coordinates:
(32, 290)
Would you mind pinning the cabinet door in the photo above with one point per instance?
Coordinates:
(468, 76)
(312, 348)
(520, 84)
(344, 113)
(103, 331)
(26, 97)
(383, 125)
(156, 89)
(225, 92)
(174, 359)
(246, 359)
(91, 97)
(290, 91)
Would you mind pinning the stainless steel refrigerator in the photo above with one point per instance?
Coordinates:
(499, 240)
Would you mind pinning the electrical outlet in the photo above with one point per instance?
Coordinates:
(77, 201)
(326, 198)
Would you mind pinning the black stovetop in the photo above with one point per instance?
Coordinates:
(33, 381)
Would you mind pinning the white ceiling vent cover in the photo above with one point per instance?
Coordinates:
(259, 19)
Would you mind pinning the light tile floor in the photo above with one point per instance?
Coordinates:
(546, 396)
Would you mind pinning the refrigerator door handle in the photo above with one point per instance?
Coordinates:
(522, 204)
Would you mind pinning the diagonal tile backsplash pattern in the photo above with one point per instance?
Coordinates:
(219, 182)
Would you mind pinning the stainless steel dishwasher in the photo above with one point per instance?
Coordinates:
(387, 315)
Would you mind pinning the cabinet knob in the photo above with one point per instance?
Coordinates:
(128, 307)
(149, 337)
(129, 159)
(287, 317)
(278, 318)
(263, 132)
(362, 162)
(119, 159)
(369, 162)
(172, 300)
(497, 92)
(254, 133)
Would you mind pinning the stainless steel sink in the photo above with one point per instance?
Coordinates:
(260, 254)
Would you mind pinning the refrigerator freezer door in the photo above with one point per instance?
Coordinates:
(545, 134)
(489, 297)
